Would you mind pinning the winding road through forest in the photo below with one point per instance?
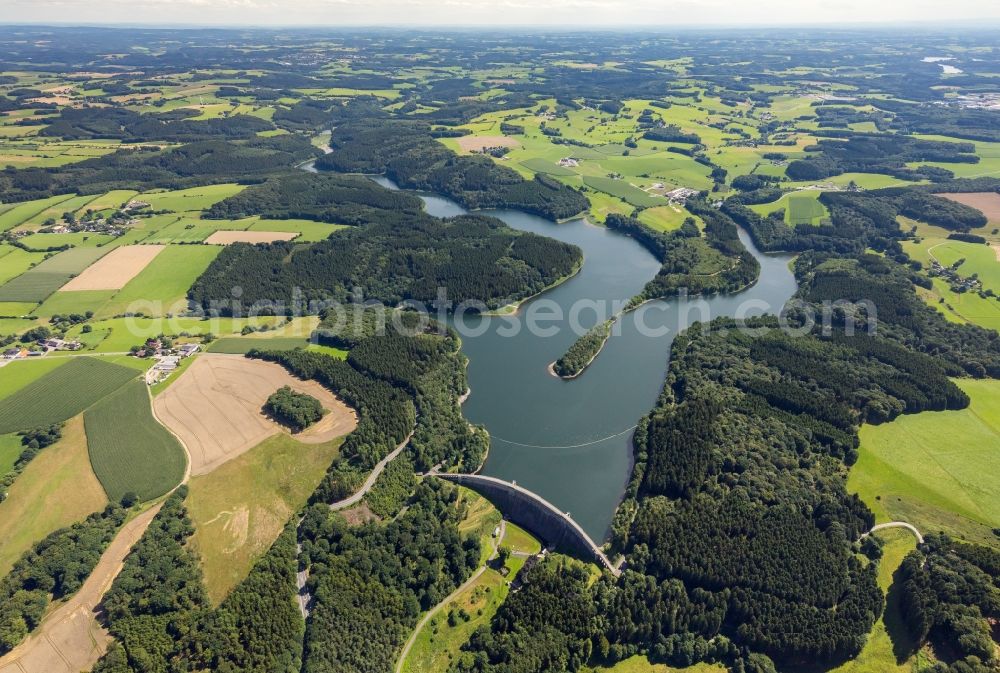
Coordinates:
(449, 598)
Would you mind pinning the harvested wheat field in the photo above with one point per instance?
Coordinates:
(479, 143)
(115, 269)
(228, 237)
(987, 202)
(70, 638)
(216, 408)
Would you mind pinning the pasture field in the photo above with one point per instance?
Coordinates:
(162, 286)
(185, 228)
(10, 450)
(127, 332)
(936, 470)
(979, 259)
(55, 211)
(116, 269)
(640, 664)
(61, 393)
(22, 212)
(540, 165)
(15, 261)
(216, 409)
(664, 218)
(60, 303)
(863, 180)
(16, 325)
(878, 654)
(805, 209)
(17, 309)
(37, 283)
(194, 198)
(243, 345)
(41, 242)
(228, 236)
(56, 489)
(110, 201)
(129, 450)
(239, 509)
(625, 191)
(308, 230)
(800, 207)
(966, 307)
(438, 643)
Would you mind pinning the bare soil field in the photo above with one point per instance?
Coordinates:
(70, 639)
(216, 408)
(228, 237)
(115, 269)
(988, 202)
(479, 143)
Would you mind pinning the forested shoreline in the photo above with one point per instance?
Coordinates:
(408, 154)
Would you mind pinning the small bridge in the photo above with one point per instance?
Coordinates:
(535, 513)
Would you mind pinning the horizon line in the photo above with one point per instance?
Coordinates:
(985, 24)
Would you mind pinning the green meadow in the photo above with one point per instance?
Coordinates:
(802, 207)
(195, 198)
(15, 261)
(162, 286)
(936, 470)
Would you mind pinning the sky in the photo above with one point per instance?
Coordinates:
(487, 13)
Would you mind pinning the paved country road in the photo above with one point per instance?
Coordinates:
(372, 478)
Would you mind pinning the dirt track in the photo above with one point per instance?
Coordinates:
(70, 639)
(115, 269)
(227, 237)
(215, 408)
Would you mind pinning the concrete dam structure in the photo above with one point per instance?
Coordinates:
(535, 514)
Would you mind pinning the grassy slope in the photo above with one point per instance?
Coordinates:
(936, 470)
(438, 643)
(56, 489)
(640, 664)
(129, 450)
(240, 508)
(889, 632)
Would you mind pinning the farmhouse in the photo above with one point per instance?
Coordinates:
(569, 162)
(59, 345)
(188, 349)
(681, 194)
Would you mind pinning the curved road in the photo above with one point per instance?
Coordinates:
(896, 524)
(372, 478)
(448, 599)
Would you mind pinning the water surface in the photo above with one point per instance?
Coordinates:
(570, 441)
